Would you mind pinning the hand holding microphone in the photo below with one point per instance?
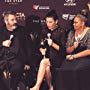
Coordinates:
(49, 40)
(7, 43)
(76, 44)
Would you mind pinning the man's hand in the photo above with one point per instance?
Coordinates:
(6, 43)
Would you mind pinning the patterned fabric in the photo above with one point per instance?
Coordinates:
(85, 41)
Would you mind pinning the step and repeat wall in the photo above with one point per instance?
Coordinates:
(66, 9)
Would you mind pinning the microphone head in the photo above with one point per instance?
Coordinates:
(49, 35)
(11, 36)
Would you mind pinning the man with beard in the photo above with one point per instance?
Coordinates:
(11, 49)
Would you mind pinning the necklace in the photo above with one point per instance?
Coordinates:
(79, 37)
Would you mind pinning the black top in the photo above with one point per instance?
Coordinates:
(16, 50)
(58, 37)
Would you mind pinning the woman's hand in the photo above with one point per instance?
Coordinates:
(76, 44)
(50, 42)
(70, 57)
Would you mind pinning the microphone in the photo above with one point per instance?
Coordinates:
(48, 35)
(49, 40)
(11, 37)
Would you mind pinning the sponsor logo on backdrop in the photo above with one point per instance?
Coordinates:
(68, 16)
(20, 16)
(38, 7)
(37, 21)
(35, 7)
(70, 3)
(13, 1)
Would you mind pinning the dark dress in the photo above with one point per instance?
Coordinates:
(58, 37)
(75, 74)
(56, 57)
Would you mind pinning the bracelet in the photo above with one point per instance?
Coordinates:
(74, 56)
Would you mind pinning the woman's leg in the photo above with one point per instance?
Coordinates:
(41, 73)
(49, 77)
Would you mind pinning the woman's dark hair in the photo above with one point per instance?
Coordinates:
(52, 14)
